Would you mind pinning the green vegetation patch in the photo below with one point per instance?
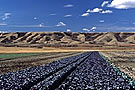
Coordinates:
(17, 55)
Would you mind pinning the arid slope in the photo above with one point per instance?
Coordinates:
(67, 39)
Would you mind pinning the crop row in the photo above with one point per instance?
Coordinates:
(87, 71)
(54, 80)
(25, 79)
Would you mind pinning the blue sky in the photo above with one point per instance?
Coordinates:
(67, 15)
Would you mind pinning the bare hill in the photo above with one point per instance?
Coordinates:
(67, 39)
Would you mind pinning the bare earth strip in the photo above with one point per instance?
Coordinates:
(124, 60)
(13, 65)
(61, 49)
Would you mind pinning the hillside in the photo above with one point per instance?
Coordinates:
(66, 39)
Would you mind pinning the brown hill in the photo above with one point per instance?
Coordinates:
(67, 39)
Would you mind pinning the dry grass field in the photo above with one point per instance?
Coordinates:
(124, 60)
(61, 49)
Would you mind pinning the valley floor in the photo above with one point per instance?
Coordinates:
(122, 58)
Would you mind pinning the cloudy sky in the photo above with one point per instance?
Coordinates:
(67, 15)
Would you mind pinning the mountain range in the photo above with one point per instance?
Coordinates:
(67, 39)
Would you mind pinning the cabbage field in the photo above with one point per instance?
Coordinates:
(86, 71)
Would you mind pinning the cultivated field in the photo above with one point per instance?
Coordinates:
(42, 68)
(14, 62)
(124, 60)
(87, 71)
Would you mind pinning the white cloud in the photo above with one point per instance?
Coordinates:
(102, 21)
(107, 11)
(104, 3)
(85, 14)
(68, 5)
(29, 26)
(93, 28)
(86, 29)
(133, 23)
(35, 18)
(6, 16)
(68, 30)
(52, 14)
(88, 11)
(41, 25)
(68, 15)
(122, 4)
(116, 28)
(95, 10)
(3, 24)
(61, 24)
(3, 31)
